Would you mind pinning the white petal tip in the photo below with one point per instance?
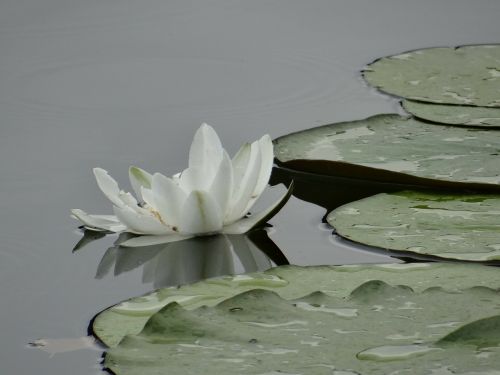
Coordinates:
(98, 222)
(98, 170)
(266, 138)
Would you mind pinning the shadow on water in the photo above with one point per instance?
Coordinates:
(189, 260)
(331, 192)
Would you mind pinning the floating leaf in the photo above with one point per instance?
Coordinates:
(290, 282)
(465, 227)
(396, 149)
(454, 114)
(378, 329)
(130, 316)
(468, 75)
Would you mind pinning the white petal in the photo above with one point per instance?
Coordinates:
(98, 222)
(194, 178)
(128, 199)
(153, 240)
(108, 186)
(266, 167)
(267, 160)
(240, 162)
(139, 178)
(200, 214)
(147, 196)
(140, 223)
(206, 149)
(169, 199)
(248, 223)
(242, 196)
(222, 186)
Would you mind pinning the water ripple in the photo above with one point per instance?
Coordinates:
(214, 87)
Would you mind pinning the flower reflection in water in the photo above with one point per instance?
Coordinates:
(190, 260)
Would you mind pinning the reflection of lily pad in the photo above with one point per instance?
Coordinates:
(465, 227)
(378, 329)
(467, 75)
(289, 282)
(454, 114)
(396, 149)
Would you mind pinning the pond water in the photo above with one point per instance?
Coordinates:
(114, 83)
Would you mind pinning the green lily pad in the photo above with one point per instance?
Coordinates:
(377, 329)
(392, 148)
(454, 114)
(129, 317)
(468, 75)
(464, 227)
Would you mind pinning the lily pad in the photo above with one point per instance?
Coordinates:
(396, 149)
(454, 114)
(290, 282)
(464, 227)
(468, 75)
(259, 332)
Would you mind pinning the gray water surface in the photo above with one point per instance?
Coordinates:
(111, 83)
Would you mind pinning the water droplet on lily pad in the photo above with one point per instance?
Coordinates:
(394, 353)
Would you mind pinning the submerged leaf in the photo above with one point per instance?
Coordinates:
(468, 75)
(465, 227)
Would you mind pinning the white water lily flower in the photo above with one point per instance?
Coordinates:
(213, 195)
